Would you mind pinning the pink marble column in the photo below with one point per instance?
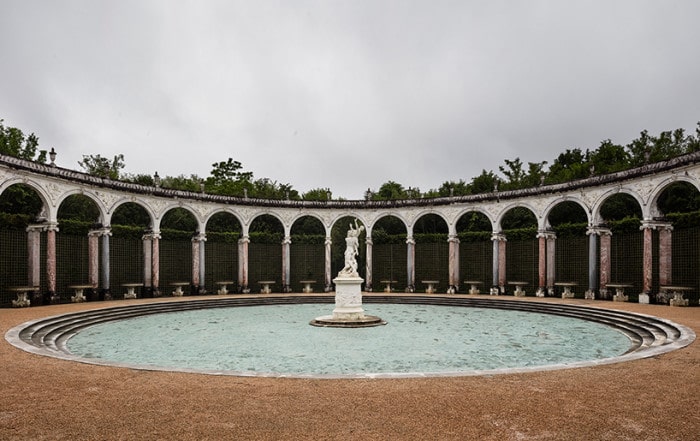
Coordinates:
(195, 263)
(502, 264)
(665, 253)
(34, 255)
(94, 256)
(541, 263)
(147, 260)
(368, 263)
(605, 265)
(243, 264)
(647, 259)
(551, 261)
(453, 266)
(51, 230)
(327, 285)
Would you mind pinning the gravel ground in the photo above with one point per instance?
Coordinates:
(651, 399)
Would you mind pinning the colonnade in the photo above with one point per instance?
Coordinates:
(599, 261)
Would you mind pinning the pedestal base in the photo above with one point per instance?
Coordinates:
(348, 312)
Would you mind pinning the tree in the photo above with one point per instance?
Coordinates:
(609, 158)
(97, 165)
(484, 183)
(317, 194)
(391, 190)
(14, 143)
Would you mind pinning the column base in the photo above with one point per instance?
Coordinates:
(643, 298)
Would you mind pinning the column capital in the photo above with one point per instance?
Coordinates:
(500, 237)
(328, 241)
(547, 234)
(244, 239)
(453, 238)
(103, 231)
(368, 241)
(287, 240)
(410, 240)
(151, 235)
(36, 228)
(199, 237)
(651, 224)
(598, 230)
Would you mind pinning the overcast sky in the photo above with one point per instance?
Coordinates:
(345, 94)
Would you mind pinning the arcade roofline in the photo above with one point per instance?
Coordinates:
(593, 181)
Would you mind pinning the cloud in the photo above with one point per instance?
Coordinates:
(345, 95)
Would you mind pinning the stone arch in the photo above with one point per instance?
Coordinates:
(596, 216)
(557, 204)
(48, 210)
(478, 210)
(389, 250)
(663, 187)
(79, 192)
(121, 203)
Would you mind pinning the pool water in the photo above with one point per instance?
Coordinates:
(278, 340)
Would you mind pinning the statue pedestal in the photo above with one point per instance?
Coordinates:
(348, 312)
(348, 298)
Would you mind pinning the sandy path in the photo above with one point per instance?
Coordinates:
(651, 399)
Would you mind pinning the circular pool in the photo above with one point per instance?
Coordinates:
(448, 338)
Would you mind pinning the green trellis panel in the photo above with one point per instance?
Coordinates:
(221, 259)
(126, 263)
(571, 256)
(522, 263)
(265, 263)
(389, 263)
(432, 263)
(175, 263)
(476, 263)
(71, 263)
(307, 262)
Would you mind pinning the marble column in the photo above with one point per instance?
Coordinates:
(51, 229)
(605, 263)
(243, 264)
(453, 266)
(155, 264)
(368, 263)
(541, 263)
(286, 264)
(499, 263)
(94, 257)
(410, 264)
(551, 262)
(106, 292)
(198, 264)
(647, 261)
(34, 254)
(327, 276)
(665, 253)
(593, 275)
(147, 240)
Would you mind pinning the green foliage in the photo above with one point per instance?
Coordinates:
(12, 221)
(569, 229)
(685, 220)
(13, 142)
(97, 165)
(79, 207)
(74, 227)
(20, 198)
(318, 194)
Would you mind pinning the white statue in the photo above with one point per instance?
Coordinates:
(352, 246)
